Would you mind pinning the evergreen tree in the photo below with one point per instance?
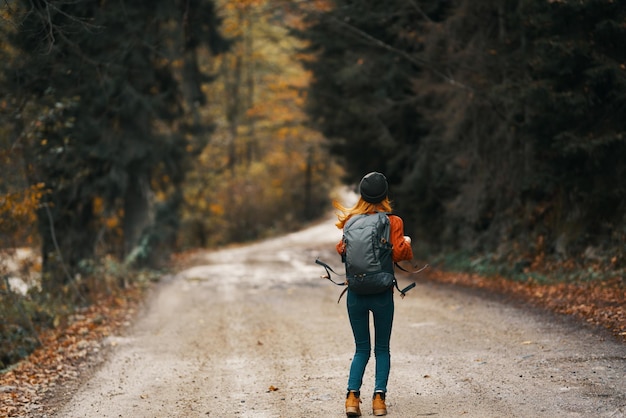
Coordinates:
(94, 90)
(576, 99)
(361, 95)
(505, 130)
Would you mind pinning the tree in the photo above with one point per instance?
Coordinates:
(265, 170)
(577, 87)
(506, 125)
(361, 58)
(94, 90)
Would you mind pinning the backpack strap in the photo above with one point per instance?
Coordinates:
(406, 289)
(413, 271)
(330, 270)
(343, 292)
(412, 285)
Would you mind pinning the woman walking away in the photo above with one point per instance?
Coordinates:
(370, 288)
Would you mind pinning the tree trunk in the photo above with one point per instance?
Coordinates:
(136, 211)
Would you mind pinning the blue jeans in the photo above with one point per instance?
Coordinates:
(382, 307)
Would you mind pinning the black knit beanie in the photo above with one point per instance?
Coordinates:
(373, 187)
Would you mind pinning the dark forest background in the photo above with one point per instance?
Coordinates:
(500, 124)
(130, 131)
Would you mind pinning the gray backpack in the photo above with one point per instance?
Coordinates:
(368, 261)
(367, 258)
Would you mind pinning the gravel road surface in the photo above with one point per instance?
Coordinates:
(253, 331)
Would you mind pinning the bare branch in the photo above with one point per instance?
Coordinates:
(50, 28)
(411, 58)
(420, 11)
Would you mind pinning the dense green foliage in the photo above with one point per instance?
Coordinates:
(500, 124)
(99, 117)
(95, 116)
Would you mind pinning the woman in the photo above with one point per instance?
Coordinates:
(373, 189)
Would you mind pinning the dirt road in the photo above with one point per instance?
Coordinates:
(254, 332)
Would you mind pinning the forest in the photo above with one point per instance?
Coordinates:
(134, 131)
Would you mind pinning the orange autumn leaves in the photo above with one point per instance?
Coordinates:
(64, 354)
(18, 208)
(598, 303)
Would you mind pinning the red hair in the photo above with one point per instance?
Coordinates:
(360, 208)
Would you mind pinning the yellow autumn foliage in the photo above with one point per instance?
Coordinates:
(18, 214)
(20, 206)
(264, 169)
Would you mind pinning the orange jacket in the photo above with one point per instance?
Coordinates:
(401, 250)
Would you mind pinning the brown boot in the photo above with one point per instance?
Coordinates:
(378, 404)
(353, 408)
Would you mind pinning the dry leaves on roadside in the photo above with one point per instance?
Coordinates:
(63, 356)
(599, 303)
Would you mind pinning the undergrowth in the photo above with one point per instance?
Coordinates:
(26, 315)
(544, 271)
